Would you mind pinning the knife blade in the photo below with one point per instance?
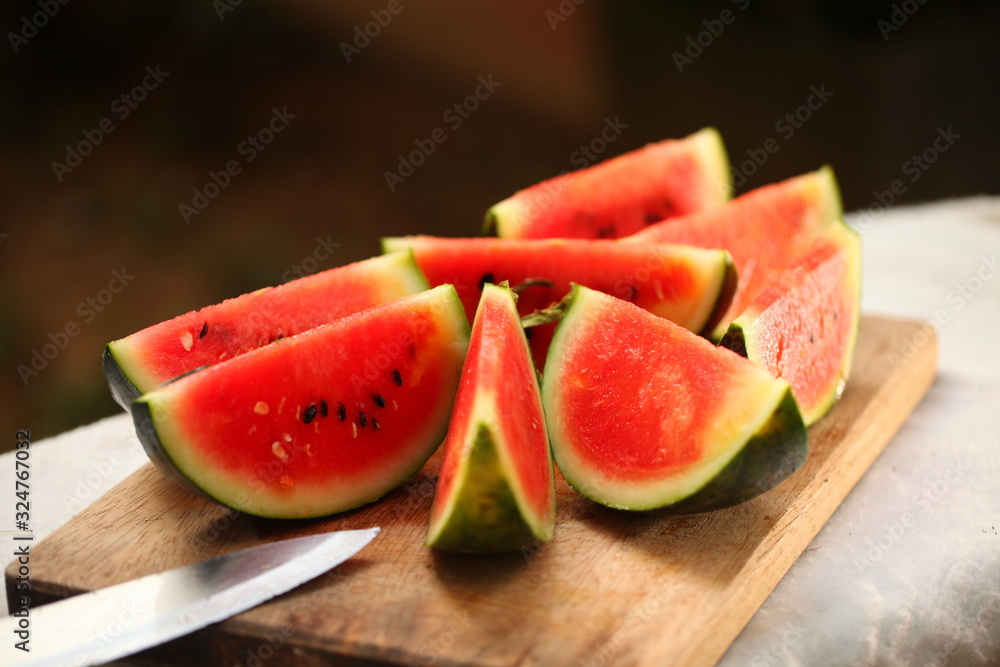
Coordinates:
(120, 620)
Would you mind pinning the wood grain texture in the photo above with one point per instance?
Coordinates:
(612, 588)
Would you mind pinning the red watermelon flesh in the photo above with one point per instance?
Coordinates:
(764, 230)
(495, 490)
(620, 196)
(148, 358)
(317, 423)
(690, 286)
(803, 327)
(644, 415)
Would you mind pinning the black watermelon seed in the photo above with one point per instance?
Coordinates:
(375, 424)
(341, 412)
(310, 413)
(323, 408)
(487, 278)
(204, 330)
(606, 232)
(379, 401)
(362, 420)
(812, 339)
(653, 217)
(397, 378)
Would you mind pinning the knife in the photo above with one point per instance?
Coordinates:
(120, 620)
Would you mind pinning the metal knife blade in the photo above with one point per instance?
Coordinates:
(120, 620)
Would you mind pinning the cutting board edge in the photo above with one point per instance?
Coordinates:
(919, 376)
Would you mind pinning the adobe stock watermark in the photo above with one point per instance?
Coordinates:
(30, 25)
(713, 29)
(957, 298)
(87, 488)
(321, 253)
(273, 641)
(364, 34)
(128, 613)
(901, 13)
(121, 107)
(777, 652)
(87, 310)
(786, 127)
(223, 7)
(454, 116)
(637, 617)
(248, 149)
(561, 13)
(456, 625)
(584, 156)
(627, 287)
(915, 167)
(924, 502)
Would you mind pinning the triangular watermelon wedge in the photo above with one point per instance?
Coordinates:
(496, 489)
(644, 415)
(620, 196)
(763, 230)
(316, 423)
(148, 358)
(803, 327)
(690, 286)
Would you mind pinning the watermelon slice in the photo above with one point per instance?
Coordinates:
(146, 359)
(622, 195)
(690, 286)
(317, 423)
(764, 229)
(496, 490)
(644, 415)
(803, 326)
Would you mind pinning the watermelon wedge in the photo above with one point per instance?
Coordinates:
(644, 415)
(496, 489)
(620, 196)
(317, 423)
(803, 327)
(138, 363)
(690, 286)
(764, 230)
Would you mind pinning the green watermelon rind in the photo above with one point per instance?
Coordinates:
(741, 337)
(151, 414)
(145, 416)
(486, 512)
(830, 187)
(726, 292)
(771, 455)
(484, 515)
(716, 263)
(127, 379)
(775, 449)
(710, 149)
(123, 390)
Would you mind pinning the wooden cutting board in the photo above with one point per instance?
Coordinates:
(612, 588)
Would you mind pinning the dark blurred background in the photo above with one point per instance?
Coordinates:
(885, 80)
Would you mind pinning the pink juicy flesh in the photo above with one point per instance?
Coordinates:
(617, 197)
(498, 361)
(763, 229)
(803, 323)
(638, 391)
(248, 416)
(233, 327)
